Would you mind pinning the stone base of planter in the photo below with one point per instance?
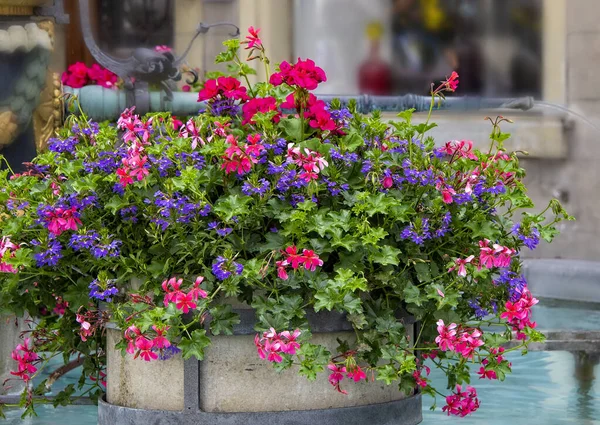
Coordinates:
(402, 412)
(232, 385)
(10, 329)
(148, 385)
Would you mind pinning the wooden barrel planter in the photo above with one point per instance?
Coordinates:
(232, 385)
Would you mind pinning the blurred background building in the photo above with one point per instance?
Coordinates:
(549, 49)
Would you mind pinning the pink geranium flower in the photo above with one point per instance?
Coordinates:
(292, 257)
(419, 380)
(336, 376)
(172, 288)
(102, 76)
(446, 335)
(452, 81)
(483, 373)
(185, 302)
(289, 343)
(76, 75)
(486, 254)
(197, 292)
(281, 271)
(85, 330)
(253, 40)
(310, 260)
(160, 341)
(462, 403)
(144, 347)
(303, 74)
(24, 355)
(460, 264)
(258, 104)
(190, 130)
(273, 344)
(356, 373)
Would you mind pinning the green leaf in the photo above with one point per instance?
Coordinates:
(374, 236)
(347, 242)
(483, 230)
(63, 398)
(231, 206)
(314, 359)
(548, 233)
(223, 319)
(353, 141)
(424, 128)
(232, 44)
(387, 373)
(116, 203)
(286, 362)
(386, 255)
(423, 272)
(195, 345)
(292, 128)
(412, 294)
(449, 297)
(352, 304)
(407, 115)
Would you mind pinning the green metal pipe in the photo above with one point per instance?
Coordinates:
(101, 104)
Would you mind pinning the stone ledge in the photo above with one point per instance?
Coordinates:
(573, 280)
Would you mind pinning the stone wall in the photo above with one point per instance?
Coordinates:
(575, 179)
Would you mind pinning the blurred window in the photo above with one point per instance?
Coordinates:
(495, 45)
(127, 24)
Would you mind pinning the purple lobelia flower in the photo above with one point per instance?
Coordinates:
(103, 290)
(515, 284)
(256, 189)
(60, 145)
(223, 268)
(530, 239)
(50, 256)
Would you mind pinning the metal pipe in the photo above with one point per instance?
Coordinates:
(101, 104)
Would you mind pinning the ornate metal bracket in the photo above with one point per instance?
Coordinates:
(145, 66)
(57, 11)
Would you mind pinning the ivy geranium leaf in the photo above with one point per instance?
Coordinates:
(293, 128)
(423, 128)
(412, 295)
(324, 301)
(386, 255)
(483, 230)
(116, 203)
(548, 233)
(231, 206)
(274, 242)
(444, 296)
(195, 345)
(387, 373)
(423, 272)
(223, 319)
(352, 304)
(313, 359)
(374, 236)
(286, 362)
(63, 398)
(353, 141)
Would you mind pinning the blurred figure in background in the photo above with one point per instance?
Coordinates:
(374, 73)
